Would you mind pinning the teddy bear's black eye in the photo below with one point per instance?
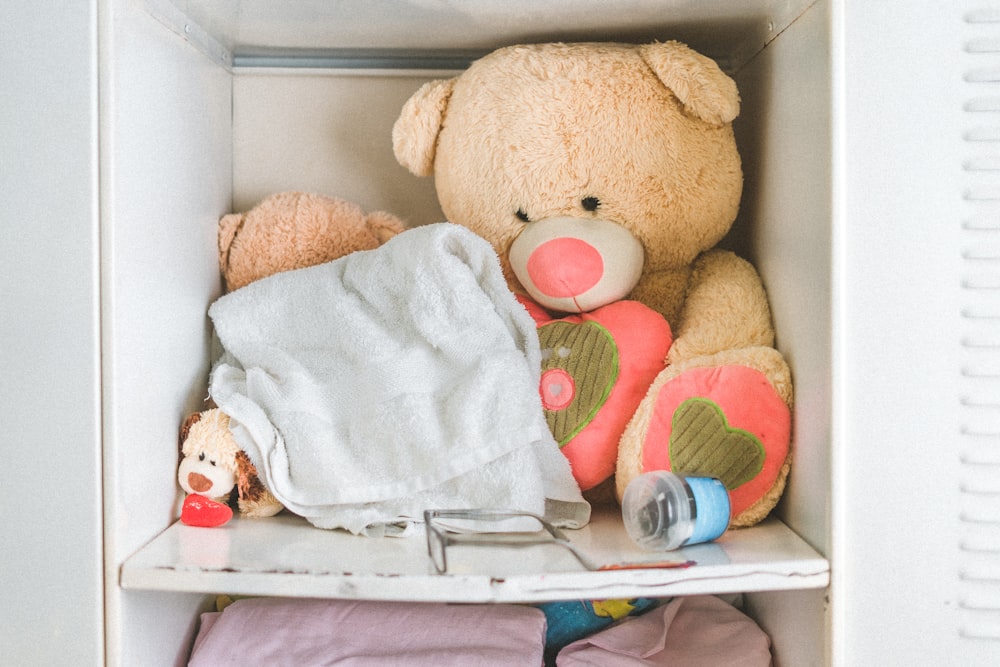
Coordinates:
(590, 203)
(522, 216)
(201, 457)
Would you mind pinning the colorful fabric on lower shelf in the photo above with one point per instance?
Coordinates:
(698, 631)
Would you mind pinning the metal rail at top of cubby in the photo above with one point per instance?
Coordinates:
(732, 35)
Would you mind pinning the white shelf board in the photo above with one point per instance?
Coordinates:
(285, 556)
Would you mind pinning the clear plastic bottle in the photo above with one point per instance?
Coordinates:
(664, 511)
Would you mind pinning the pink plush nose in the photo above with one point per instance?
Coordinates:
(565, 267)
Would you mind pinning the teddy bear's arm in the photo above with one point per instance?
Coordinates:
(726, 308)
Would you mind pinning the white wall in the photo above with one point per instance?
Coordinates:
(338, 144)
(50, 484)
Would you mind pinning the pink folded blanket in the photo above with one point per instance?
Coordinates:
(274, 631)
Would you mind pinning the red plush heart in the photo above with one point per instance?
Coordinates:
(596, 369)
(204, 512)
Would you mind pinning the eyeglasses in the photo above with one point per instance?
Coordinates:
(439, 537)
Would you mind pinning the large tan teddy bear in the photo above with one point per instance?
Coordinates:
(604, 175)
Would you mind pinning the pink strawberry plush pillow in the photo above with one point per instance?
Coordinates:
(604, 175)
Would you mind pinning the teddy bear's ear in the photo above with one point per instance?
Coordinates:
(228, 226)
(704, 89)
(414, 136)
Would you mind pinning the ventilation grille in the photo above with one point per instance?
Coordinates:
(979, 537)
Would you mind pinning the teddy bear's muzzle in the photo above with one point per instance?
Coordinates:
(575, 265)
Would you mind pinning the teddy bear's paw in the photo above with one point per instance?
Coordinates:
(728, 422)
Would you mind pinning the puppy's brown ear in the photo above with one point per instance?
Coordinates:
(248, 485)
(191, 420)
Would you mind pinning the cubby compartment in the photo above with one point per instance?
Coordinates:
(209, 107)
(868, 133)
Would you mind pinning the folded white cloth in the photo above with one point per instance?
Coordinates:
(390, 381)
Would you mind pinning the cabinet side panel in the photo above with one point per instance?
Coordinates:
(50, 487)
(901, 567)
(796, 622)
(166, 178)
(785, 224)
(784, 132)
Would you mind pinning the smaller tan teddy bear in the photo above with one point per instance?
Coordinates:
(293, 230)
(285, 231)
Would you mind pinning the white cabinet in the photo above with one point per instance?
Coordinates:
(868, 134)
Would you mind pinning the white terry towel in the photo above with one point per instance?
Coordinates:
(390, 381)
